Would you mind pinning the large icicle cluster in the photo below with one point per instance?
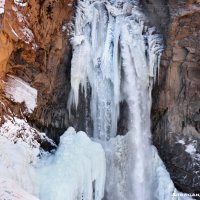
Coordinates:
(99, 32)
(76, 171)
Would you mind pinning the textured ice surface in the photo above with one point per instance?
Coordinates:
(19, 91)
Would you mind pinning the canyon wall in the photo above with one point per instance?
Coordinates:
(176, 95)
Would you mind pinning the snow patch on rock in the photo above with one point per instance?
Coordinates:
(190, 148)
(2, 5)
(20, 3)
(181, 141)
(19, 131)
(19, 91)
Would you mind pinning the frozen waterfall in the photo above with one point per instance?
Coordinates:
(115, 59)
(118, 56)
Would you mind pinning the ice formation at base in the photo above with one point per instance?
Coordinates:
(76, 171)
(19, 91)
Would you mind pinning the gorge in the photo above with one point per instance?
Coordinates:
(106, 92)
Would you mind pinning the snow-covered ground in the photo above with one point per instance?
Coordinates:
(19, 131)
(15, 165)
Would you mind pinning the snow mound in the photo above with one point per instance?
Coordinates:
(19, 91)
(10, 190)
(76, 171)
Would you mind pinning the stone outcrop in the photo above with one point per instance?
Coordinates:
(176, 96)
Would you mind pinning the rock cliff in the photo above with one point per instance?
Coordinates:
(176, 96)
(35, 48)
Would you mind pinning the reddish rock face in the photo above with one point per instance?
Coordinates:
(176, 108)
(34, 47)
(31, 26)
